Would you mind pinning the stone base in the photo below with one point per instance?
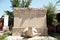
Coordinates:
(5, 28)
(18, 31)
(42, 31)
(34, 38)
(42, 38)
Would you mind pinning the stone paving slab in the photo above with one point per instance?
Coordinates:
(1, 32)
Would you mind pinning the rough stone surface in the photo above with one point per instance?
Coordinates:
(30, 32)
(1, 33)
(43, 38)
(29, 17)
(14, 38)
(34, 38)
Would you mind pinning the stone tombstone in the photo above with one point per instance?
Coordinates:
(29, 17)
(5, 27)
(6, 20)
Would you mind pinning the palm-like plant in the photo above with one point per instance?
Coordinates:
(15, 3)
(20, 3)
(58, 2)
(51, 16)
(50, 13)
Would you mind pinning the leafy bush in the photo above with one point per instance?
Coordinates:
(8, 33)
(5, 35)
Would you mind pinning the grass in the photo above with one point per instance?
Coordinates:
(5, 35)
(57, 36)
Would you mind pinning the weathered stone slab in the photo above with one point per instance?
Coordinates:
(30, 17)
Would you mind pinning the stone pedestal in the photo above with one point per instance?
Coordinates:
(29, 17)
(33, 38)
(5, 28)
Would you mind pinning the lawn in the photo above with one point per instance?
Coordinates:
(57, 36)
(5, 35)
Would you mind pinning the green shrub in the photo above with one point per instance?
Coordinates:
(5, 35)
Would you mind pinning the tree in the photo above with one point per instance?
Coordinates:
(20, 3)
(25, 3)
(15, 3)
(50, 13)
(2, 19)
(55, 23)
(51, 16)
(58, 2)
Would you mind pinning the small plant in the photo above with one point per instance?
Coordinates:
(5, 35)
(8, 33)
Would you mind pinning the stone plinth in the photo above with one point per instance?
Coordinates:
(34, 38)
(29, 17)
(14, 38)
(43, 38)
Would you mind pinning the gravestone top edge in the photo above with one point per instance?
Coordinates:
(43, 10)
(31, 8)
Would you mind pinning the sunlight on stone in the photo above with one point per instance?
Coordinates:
(33, 38)
(14, 38)
(30, 31)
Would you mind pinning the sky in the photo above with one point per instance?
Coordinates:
(6, 5)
